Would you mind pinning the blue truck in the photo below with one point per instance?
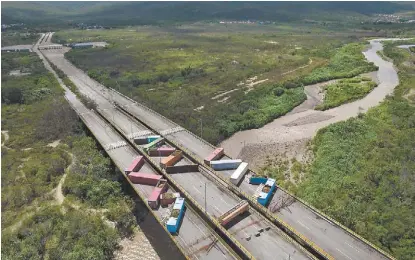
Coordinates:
(176, 216)
(266, 192)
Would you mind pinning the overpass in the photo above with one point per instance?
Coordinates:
(306, 225)
(197, 239)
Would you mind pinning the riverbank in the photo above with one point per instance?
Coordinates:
(302, 126)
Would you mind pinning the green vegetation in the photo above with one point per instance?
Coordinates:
(18, 38)
(412, 49)
(139, 13)
(363, 173)
(34, 224)
(346, 63)
(199, 73)
(346, 90)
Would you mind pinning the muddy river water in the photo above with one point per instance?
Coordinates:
(306, 123)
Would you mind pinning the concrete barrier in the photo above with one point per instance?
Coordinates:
(182, 168)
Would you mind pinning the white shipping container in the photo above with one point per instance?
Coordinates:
(239, 173)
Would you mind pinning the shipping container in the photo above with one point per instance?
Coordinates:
(135, 165)
(152, 138)
(266, 193)
(141, 140)
(176, 216)
(257, 179)
(144, 178)
(168, 198)
(235, 211)
(153, 199)
(171, 159)
(225, 164)
(161, 151)
(215, 155)
(156, 143)
(239, 173)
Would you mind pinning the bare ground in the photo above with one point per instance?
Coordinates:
(136, 248)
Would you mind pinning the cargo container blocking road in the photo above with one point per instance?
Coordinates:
(239, 173)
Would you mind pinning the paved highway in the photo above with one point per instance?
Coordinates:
(330, 237)
(195, 237)
(219, 200)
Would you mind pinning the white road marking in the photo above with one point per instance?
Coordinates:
(224, 201)
(197, 189)
(343, 254)
(217, 209)
(315, 222)
(301, 223)
(352, 246)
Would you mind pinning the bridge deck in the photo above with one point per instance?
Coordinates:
(195, 237)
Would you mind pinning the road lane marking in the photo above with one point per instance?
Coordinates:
(315, 222)
(343, 254)
(352, 246)
(224, 201)
(301, 223)
(197, 189)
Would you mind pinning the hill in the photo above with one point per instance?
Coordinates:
(135, 13)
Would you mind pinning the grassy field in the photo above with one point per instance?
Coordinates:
(18, 38)
(34, 225)
(230, 77)
(345, 90)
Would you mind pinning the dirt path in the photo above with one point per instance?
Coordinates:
(304, 122)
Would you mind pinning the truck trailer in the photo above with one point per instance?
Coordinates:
(135, 165)
(171, 159)
(216, 154)
(176, 216)
(266, 193)
(239, 173)
(153, 199)
(225, 164)
(232, 213)
(144, 178)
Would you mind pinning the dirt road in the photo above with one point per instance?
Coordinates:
(303, 123)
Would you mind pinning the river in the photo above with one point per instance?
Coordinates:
(305, 124)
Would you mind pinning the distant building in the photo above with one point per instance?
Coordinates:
(83, 45)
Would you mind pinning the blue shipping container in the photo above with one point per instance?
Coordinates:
(258, 180)
(151, 138)
(264, 197)
(225, 164)
(176, 216)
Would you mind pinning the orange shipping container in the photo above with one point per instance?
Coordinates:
(171, 159)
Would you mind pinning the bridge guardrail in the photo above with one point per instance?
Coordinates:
(183, 191)
(328, 218)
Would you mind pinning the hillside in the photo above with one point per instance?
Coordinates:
(123, 13)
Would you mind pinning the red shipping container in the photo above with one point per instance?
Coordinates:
(160, 188)
(144, 178)
(214, 155)
(162, 151)
(136, 164)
